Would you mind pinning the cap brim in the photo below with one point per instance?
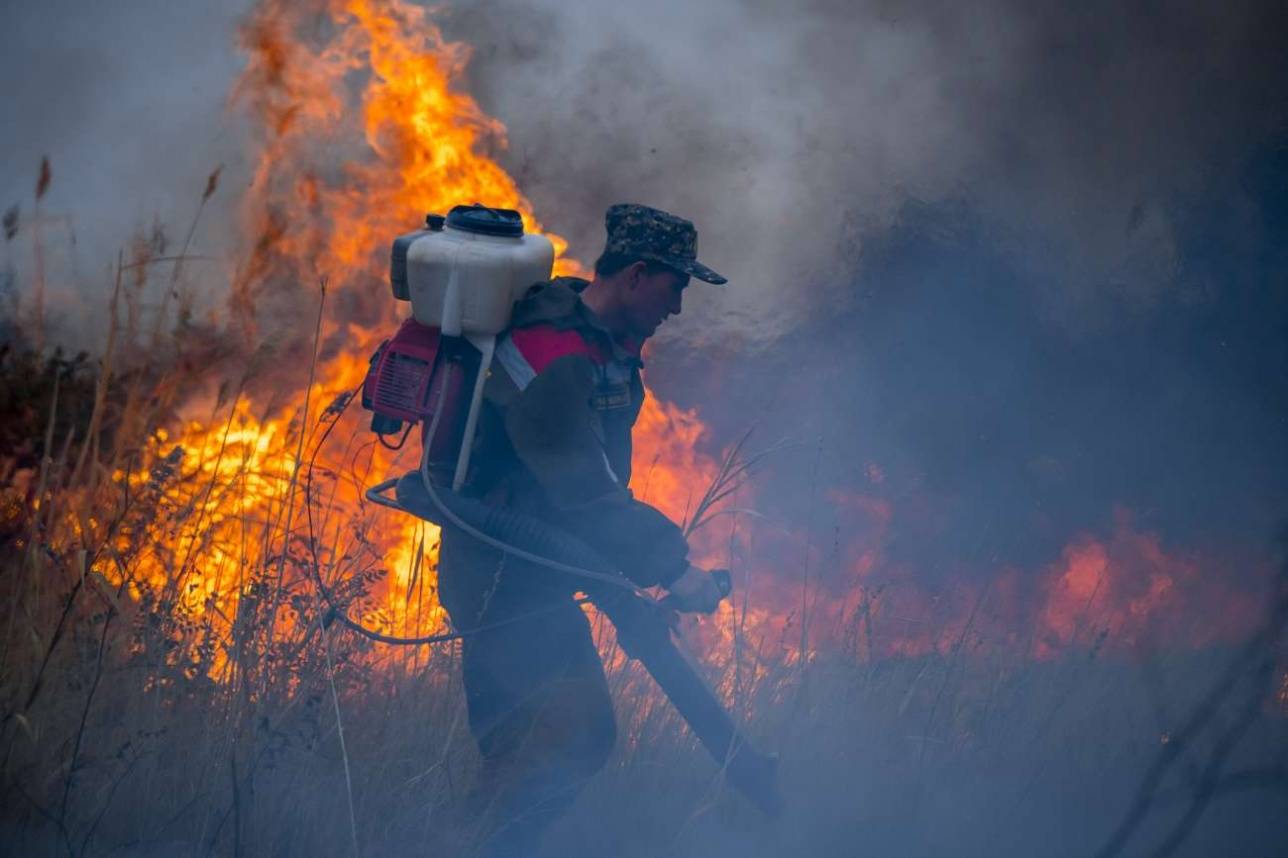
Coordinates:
(698, 270)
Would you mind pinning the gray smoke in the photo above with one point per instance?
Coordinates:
(794, 133)
(1016, 253)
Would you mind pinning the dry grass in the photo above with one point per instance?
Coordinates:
(137, 721)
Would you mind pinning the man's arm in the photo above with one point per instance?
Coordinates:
(555, 433)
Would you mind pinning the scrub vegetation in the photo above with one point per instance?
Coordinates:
(139, 719)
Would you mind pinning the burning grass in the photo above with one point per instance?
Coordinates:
(170, 682)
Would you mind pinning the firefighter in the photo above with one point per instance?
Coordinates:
(555, 442)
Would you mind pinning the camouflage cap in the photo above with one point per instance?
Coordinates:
(649, 233)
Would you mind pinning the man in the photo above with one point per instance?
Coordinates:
(555, 442)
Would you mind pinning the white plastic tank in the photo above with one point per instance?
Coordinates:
(464, 272)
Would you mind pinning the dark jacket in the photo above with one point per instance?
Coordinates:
(555, 433)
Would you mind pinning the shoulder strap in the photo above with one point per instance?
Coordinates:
(555, 302)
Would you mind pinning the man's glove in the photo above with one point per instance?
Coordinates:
(698, 591)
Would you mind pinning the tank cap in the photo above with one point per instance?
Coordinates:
(488, 221)
(434, 222)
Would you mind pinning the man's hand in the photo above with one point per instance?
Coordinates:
(698, 591)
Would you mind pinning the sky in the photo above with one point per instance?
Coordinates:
(1026, 257)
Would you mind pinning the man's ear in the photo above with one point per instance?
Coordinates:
(635, 273)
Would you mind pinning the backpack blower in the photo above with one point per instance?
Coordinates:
(462, 274)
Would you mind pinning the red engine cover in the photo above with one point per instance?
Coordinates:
(419, 372)
(397, 385)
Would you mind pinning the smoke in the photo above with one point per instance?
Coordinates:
(1017, 255)
(127, 101)
(795, 133)
(1020, 256)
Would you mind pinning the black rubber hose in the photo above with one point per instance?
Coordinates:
(525, 532)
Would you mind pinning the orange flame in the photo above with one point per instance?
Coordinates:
(328, 194)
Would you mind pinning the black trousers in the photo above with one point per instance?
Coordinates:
(537, 698)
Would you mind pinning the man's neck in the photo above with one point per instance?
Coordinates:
(599, 299)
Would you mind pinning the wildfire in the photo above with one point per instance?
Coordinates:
(363, 128)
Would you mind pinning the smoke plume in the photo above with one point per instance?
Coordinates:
(794, 134)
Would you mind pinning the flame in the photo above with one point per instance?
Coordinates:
(1130, 588)
(422, 145)
(667, 467)
(327, 195)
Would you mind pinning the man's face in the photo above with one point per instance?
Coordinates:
(651, 298)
